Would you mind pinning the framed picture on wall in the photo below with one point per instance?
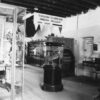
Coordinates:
(95, 47)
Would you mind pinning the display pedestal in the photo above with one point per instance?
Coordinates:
(52, 79)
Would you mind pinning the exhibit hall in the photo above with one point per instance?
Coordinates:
(49, 50)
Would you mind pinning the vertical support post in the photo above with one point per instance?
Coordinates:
(2, 40)
(23, 60)
(76, 46)
(13, 55)
(77, 41)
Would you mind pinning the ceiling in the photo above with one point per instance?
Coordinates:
(60, 8)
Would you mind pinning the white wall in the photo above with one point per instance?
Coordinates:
(84, 25)
(89, 19)
(70, 31)
(89, 25)
(70, 27)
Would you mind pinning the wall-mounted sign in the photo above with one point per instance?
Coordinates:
(47, 19)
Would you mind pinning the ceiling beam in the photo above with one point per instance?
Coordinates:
(61, 7)
(90, 2)
(73, 6)
(42, 4)
(54, 12)
(42, 9)
(78, 3)
(54, 5)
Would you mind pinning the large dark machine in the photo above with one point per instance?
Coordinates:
(52, 67)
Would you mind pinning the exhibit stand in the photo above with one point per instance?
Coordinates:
(12, 33)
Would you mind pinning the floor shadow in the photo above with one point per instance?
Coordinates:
(85, 80)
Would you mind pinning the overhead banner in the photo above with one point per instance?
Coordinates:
(48, 19)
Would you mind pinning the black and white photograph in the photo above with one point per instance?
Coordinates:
(49, 50)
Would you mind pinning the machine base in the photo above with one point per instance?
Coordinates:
(52, 88)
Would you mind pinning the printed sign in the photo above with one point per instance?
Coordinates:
(47, 19)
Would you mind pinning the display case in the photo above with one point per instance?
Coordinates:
(54, 53)
(12, 33)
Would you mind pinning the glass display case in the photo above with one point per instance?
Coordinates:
(12, 33)
(54, 53)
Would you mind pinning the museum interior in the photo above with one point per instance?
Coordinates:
(49, 50)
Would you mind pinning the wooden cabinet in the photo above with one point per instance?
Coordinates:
(68, 63)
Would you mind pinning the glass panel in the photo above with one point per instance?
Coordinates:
(12, 32)
(6, 28)
(20, 35)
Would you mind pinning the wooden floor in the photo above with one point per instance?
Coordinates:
(32, 88)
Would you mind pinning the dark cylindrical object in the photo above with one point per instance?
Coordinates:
(52, 78)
